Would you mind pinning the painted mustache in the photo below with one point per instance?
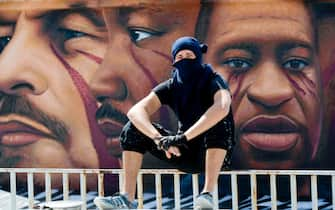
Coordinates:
(110, 120)
(20, 106)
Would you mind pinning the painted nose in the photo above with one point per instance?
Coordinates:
(271, 87)
(109, 80)
(21, 66)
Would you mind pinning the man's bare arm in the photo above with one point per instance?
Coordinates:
(140, 114)
(213, 115)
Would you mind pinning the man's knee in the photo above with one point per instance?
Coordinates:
(132, 139)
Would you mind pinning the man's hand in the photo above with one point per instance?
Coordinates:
(170, 144)
(168, 141)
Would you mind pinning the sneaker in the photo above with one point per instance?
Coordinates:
(117, 201)
(204, 201)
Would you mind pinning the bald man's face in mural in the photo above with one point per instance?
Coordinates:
(46, 60)
(138, 58)
(267, 54)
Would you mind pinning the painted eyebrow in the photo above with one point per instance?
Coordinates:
(91, 15)
(126, 11)
(248, 46)
(75, 5)
(286, 46)
(86, 13)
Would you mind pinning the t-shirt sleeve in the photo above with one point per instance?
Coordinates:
(163, 92)
(218, 83)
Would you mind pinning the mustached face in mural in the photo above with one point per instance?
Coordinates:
(137, 59)
(47, 115)
(268, 56)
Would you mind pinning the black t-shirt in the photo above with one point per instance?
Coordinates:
(201, 100)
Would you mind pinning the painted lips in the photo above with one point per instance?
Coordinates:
(272, 134)
(110, 127)
(15, 134)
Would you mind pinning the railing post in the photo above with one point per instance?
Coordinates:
(216, 197)
(195, 186)
(234, 191)
(140, 191)
(13, 190)
(30, 180)
(65, 186)
(293, 186)
(121, 177)
(273, 186)
(101, 190)
(47, 187)
(158, 183)
(314, 189)
(253, 183)
(83, 190)
(176, 179)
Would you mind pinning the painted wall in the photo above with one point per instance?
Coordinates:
(70, 71)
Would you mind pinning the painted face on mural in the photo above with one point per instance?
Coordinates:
(326, 30)
(137, 59)
(267, 54)
(46, 60)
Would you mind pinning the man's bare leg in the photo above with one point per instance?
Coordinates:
(214, 161)
(131, 163)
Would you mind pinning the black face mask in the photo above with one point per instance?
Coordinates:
(187, 70)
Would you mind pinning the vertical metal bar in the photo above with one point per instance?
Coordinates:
(333, 191)
(195, 186)
(13, 190)
(121, 176)
(47, 187)
(140, 191)
(293, 186)
(158, 191)
(176, 178)
(30, 180)
(314, 189)
(101, 191)
(253, 186)
(234, 191)
(273, 186)
(65, 186)
(216, 197)
(83, 190)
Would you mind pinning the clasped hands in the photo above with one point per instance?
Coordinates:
(170, 144)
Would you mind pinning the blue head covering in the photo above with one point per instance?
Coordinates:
(190, 43)
(189, 80)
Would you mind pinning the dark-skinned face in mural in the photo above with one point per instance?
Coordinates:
(268, 56)
(47, 114)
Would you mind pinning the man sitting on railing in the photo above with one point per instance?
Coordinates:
(201, 100)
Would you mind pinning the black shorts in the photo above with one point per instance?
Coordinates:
(192, 159)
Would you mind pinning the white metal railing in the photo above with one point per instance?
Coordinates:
(273, 174)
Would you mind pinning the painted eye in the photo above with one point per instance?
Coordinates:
(3, 42)
(71, 34)
(295, 64)
(137, 35)
(237, 64)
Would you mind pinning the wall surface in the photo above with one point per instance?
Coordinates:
(70, 71)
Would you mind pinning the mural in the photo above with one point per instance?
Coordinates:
(70, 71)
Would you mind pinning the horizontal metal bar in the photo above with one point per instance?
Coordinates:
(166, 171)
